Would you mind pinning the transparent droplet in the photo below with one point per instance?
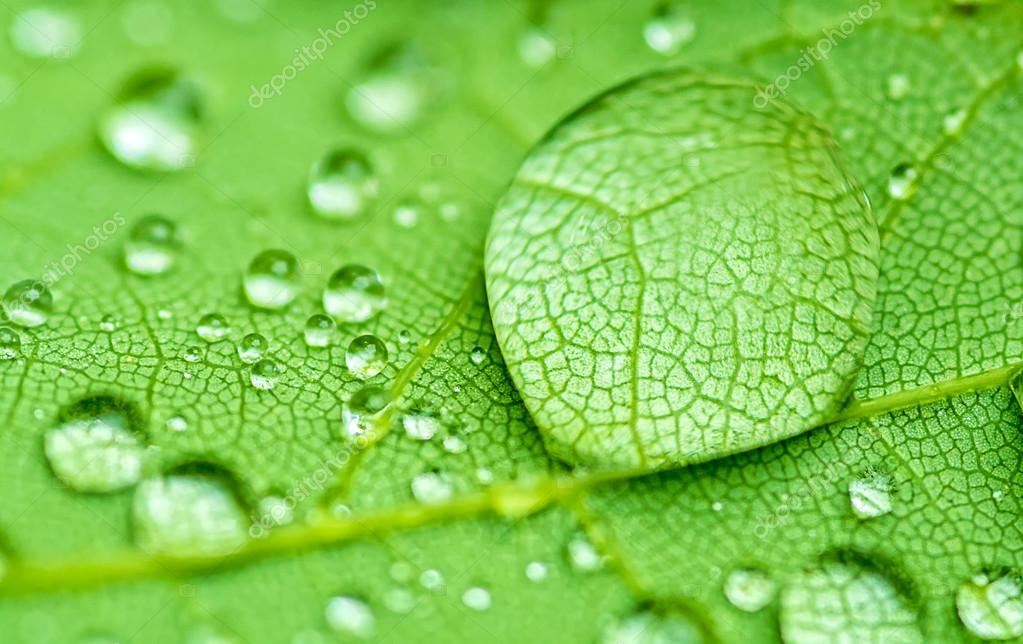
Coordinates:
(454, 445)
(394, 91)
(272, 279)
(432, 580)
(277, 509)
(28, 303)
(399, 600)
(421, 425)
(432, 487)
(536, 571)
(408, 213)
(108, 323)
(212, 327)
(10, 343)
(582, 554)
(358, 413)
(952, 124)
(193, 354)
(870, 496)
(669, 30)
(319, 330)
(537, 47)
(342, 185)
(350, 616)
(177, 424)
(252, 347)
(902, 182)
(991, 607)
(477, 598)
(188, 514)
(154, 124)
(265, 374)
(749, 589)
(897, 86)
(46, 33)
(354, 293)
(652, 627)
(477, 355)
(484, 475)
(366, 356)
(404, 337)
(94, 448)
(151, 246)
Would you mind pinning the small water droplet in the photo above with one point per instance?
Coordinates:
(537, 47)
(749, 589)
(421, 425)
(454, 445)
(28, 303)
(10, 343)
(536, 571)
(477, 355)
(432, 487)
(190, 513)
(669, 30)
(354, 293)
(997, 495)
(902, 182)
(991, 608)
(151, 246)
(277, 509)
(450, 211)
(404, 337)
(952, 124)
(193, 354)
(897, 86)
(366, 356)
(717, 506)
(399, 600)
(265, 373)
(251, 348)
(350, 616)
(432, 580)
(108, 323)
(272, 279)
(46, 33)
(95, 448)
(319, 330)
(484, 475)
(154, 124)
(394, 91)
(476, 598)
(870, 496)
(408, 213)
(342, 185)
(358, 413)
(652, 627)
(402, 572)
(583, 555)
(212, 327)
(177, 424)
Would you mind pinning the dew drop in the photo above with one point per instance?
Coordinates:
(251, 348)
(272, 279)
(536, 571)
(537, 47)
(454, 445)
(669, 30)
(350, 616)
(366, 356)
(404, 337)
(952, 124)
(902, 182)
(991, 608)
(265, 373)
(652, 627)
(421, 425)
(432, 487)
(484, 475)
(408, 213)
(477, 598)
(154, 124)
(46, 33)
(319, 330)
(95, 448)
(897, 86)
(354, 293)
(431, 580)
(188, 514)
(151, 246)
(870, 496)
(10, 343)
(108, 323)
(359, 411)
(28, 303)
(342, 185)
(477, 355)
(212, 327)
(749, 590)
(277, 509)
(582, 554)
(193, 354)
(402, 572)
(177, 424)
(393, 93)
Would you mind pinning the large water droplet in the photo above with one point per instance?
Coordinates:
(354, 293)
(394, 92)
(421, 425)
(152, 245)
(265, 374)
(652, 627)
(350, 616)
(902, 182)
(46, 33)
(477, 598)
(95, 447)
(28, 303)
(870, 496)
(189, 513)
(10, 343)
(991, 607)
(212, 327)
(251, 348)
(272, 279)
(319, 329)
(154, 124)
(749, 589)
(342, 185)
(358, 412)
(432, 487)
(366, 356)
(669, 30)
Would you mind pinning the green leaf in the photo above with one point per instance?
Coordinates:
(676, 275)
(626, 553)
